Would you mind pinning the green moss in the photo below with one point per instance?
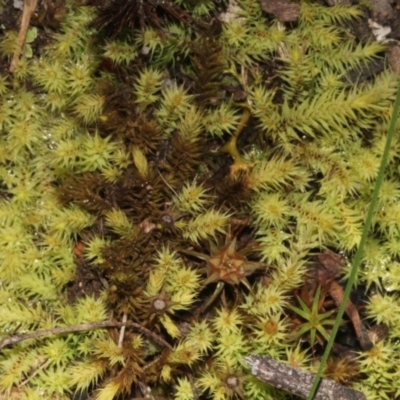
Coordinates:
(122, 154)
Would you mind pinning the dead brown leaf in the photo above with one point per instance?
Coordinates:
(284, 10)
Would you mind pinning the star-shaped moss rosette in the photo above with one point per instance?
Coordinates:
(227, 264)
(314, 320)
(223, 381)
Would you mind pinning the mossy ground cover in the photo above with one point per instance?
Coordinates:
(186, 166)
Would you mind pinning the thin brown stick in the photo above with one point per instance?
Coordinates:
(29, 9)
(122, 332)
(82, 327)
(337, 294)
(329, 268)
(44, 364)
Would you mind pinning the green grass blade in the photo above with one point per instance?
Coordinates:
(357, 258)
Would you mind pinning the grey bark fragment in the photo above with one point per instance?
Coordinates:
(298, 382)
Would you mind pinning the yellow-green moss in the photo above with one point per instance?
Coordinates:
(114, 148)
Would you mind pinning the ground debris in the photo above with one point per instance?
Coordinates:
(284, 10)
(298, 382)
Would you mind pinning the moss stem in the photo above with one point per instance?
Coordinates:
(231, 148)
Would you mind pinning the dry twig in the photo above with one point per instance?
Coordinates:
(29, 9)
(329, 268)
(298, 382)
(337, 294)
(82, 327)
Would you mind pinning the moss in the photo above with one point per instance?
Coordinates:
(128, 152)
